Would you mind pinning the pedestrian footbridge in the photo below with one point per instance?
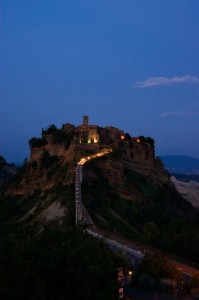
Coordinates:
(82, 217)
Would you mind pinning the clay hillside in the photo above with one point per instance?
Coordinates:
(53, 158)
(126, 192)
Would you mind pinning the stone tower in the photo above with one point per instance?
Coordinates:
(85, 120)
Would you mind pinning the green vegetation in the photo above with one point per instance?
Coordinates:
(57, 263)
(148, 139)
(142, 183)
(6, 171)
(2, 162)
(163, 219)
(49, 130)
(62, 137)
(157, 272)
(58, 136)
(161, 274)
(105, 206)
(37, 142)
(127, 137)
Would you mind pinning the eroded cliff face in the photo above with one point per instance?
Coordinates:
(47, 166)
(117, 172)
(54, 164)
(35, 177)
(113, 171)
(66, 154)
(140, 157)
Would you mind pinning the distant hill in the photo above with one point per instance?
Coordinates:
(7, 172)
(181, 164)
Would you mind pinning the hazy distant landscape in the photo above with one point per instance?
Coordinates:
(184, 171)
(181, 164)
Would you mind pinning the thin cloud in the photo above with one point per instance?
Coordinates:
(178, 113)
(159, 81)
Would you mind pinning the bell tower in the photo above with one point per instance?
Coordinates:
(85, 120)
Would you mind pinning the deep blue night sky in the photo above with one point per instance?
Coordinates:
(130, 64)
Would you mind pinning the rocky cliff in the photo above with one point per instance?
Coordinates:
(54, 156)
(125, 191)
(115, 169)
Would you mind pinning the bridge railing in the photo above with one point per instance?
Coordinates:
(82, 214)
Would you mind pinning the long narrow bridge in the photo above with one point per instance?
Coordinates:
(82, 216)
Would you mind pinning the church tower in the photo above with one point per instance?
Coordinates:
(85, 120)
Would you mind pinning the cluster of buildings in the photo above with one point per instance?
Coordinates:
(92, 134)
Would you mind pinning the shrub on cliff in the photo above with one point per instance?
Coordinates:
(37, 142)
(61, 137)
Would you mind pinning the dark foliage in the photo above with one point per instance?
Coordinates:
(59, 137)
(56, 265)
(164, 220)
(60, 262)
(2, 162)
(37, 142)
(148, 139)
(127, 137)
(49, 130)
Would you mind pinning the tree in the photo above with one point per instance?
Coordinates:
(127, 137)
(37, 142)
(142, 139)
(158, 266)
(56, 265)
(2, 162)
(51, 129)
(150, 140)
(151, 232)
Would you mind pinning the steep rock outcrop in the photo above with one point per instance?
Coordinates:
(67, 154)
(115, 172)
(140, 157)
(54, 156)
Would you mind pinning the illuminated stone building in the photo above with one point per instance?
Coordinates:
(93, 134)
(86, 133)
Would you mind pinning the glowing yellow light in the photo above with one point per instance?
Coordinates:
(122, 137)
(82, 161)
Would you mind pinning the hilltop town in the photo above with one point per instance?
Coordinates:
(89, 137)
(60, 149)
(127, 192)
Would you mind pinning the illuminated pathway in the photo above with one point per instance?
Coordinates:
(82, 215)
(83, 218)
